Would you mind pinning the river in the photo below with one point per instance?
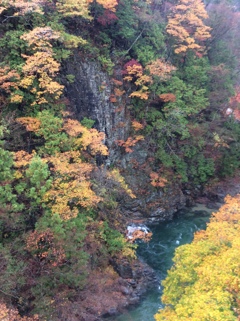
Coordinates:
(158, 253)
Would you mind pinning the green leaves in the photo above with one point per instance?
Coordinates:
(51, 130)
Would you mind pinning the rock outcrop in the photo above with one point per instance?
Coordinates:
(90, 96)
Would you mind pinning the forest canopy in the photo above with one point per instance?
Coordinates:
(204, 282)
(171, 70)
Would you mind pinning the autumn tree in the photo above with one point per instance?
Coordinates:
(204, 281)
(143, 78)
(48, 194)
(22, 7)
(186, 25)
(11, 314)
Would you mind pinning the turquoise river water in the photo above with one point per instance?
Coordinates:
(158, 253)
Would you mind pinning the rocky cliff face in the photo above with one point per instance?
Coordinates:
(91, 96)
(109, 292)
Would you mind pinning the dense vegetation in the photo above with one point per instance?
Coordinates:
(178, 71)
(203, 284)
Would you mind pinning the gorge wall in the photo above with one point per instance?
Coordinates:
(90, 96)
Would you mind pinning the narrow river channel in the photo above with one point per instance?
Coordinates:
(158, 253)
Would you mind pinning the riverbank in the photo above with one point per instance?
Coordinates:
(125, 290)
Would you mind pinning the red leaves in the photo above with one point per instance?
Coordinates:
(132, 67)
(107, 18)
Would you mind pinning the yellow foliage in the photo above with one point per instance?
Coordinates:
(71, 187)
(22, 7)
(40, 37)
(115, 174)
(161, 68)
(71, 41)
(128, 252)
(32, 124)
(108, 4)
(8, 79)
(74, 8)
(89, 138)
(41, 65)
(144, 79)
(136, 125)
(26, 81)
(16, 99)
(11, 314)
(204, 283)
(140, 94)
(185, 23)
(135, 72)
(65, 198)
(22, 158)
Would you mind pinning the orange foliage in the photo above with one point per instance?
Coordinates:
(140, 235)
(71, 187)
(229, 212)
(157, 181)
(117, 82)
(66, 198)
(22, 158)
(8, 79)
(136, 125)
(118, 92)
(235, 103)
(161, 68)
(185, 24)
(70, 165)
(236, 114)
(130, 142)
(167, 97)
(45, 247)
(113, 99)
(32, 124)
(89, 138)
(134, 70)
(41, 65)
(142, 94)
